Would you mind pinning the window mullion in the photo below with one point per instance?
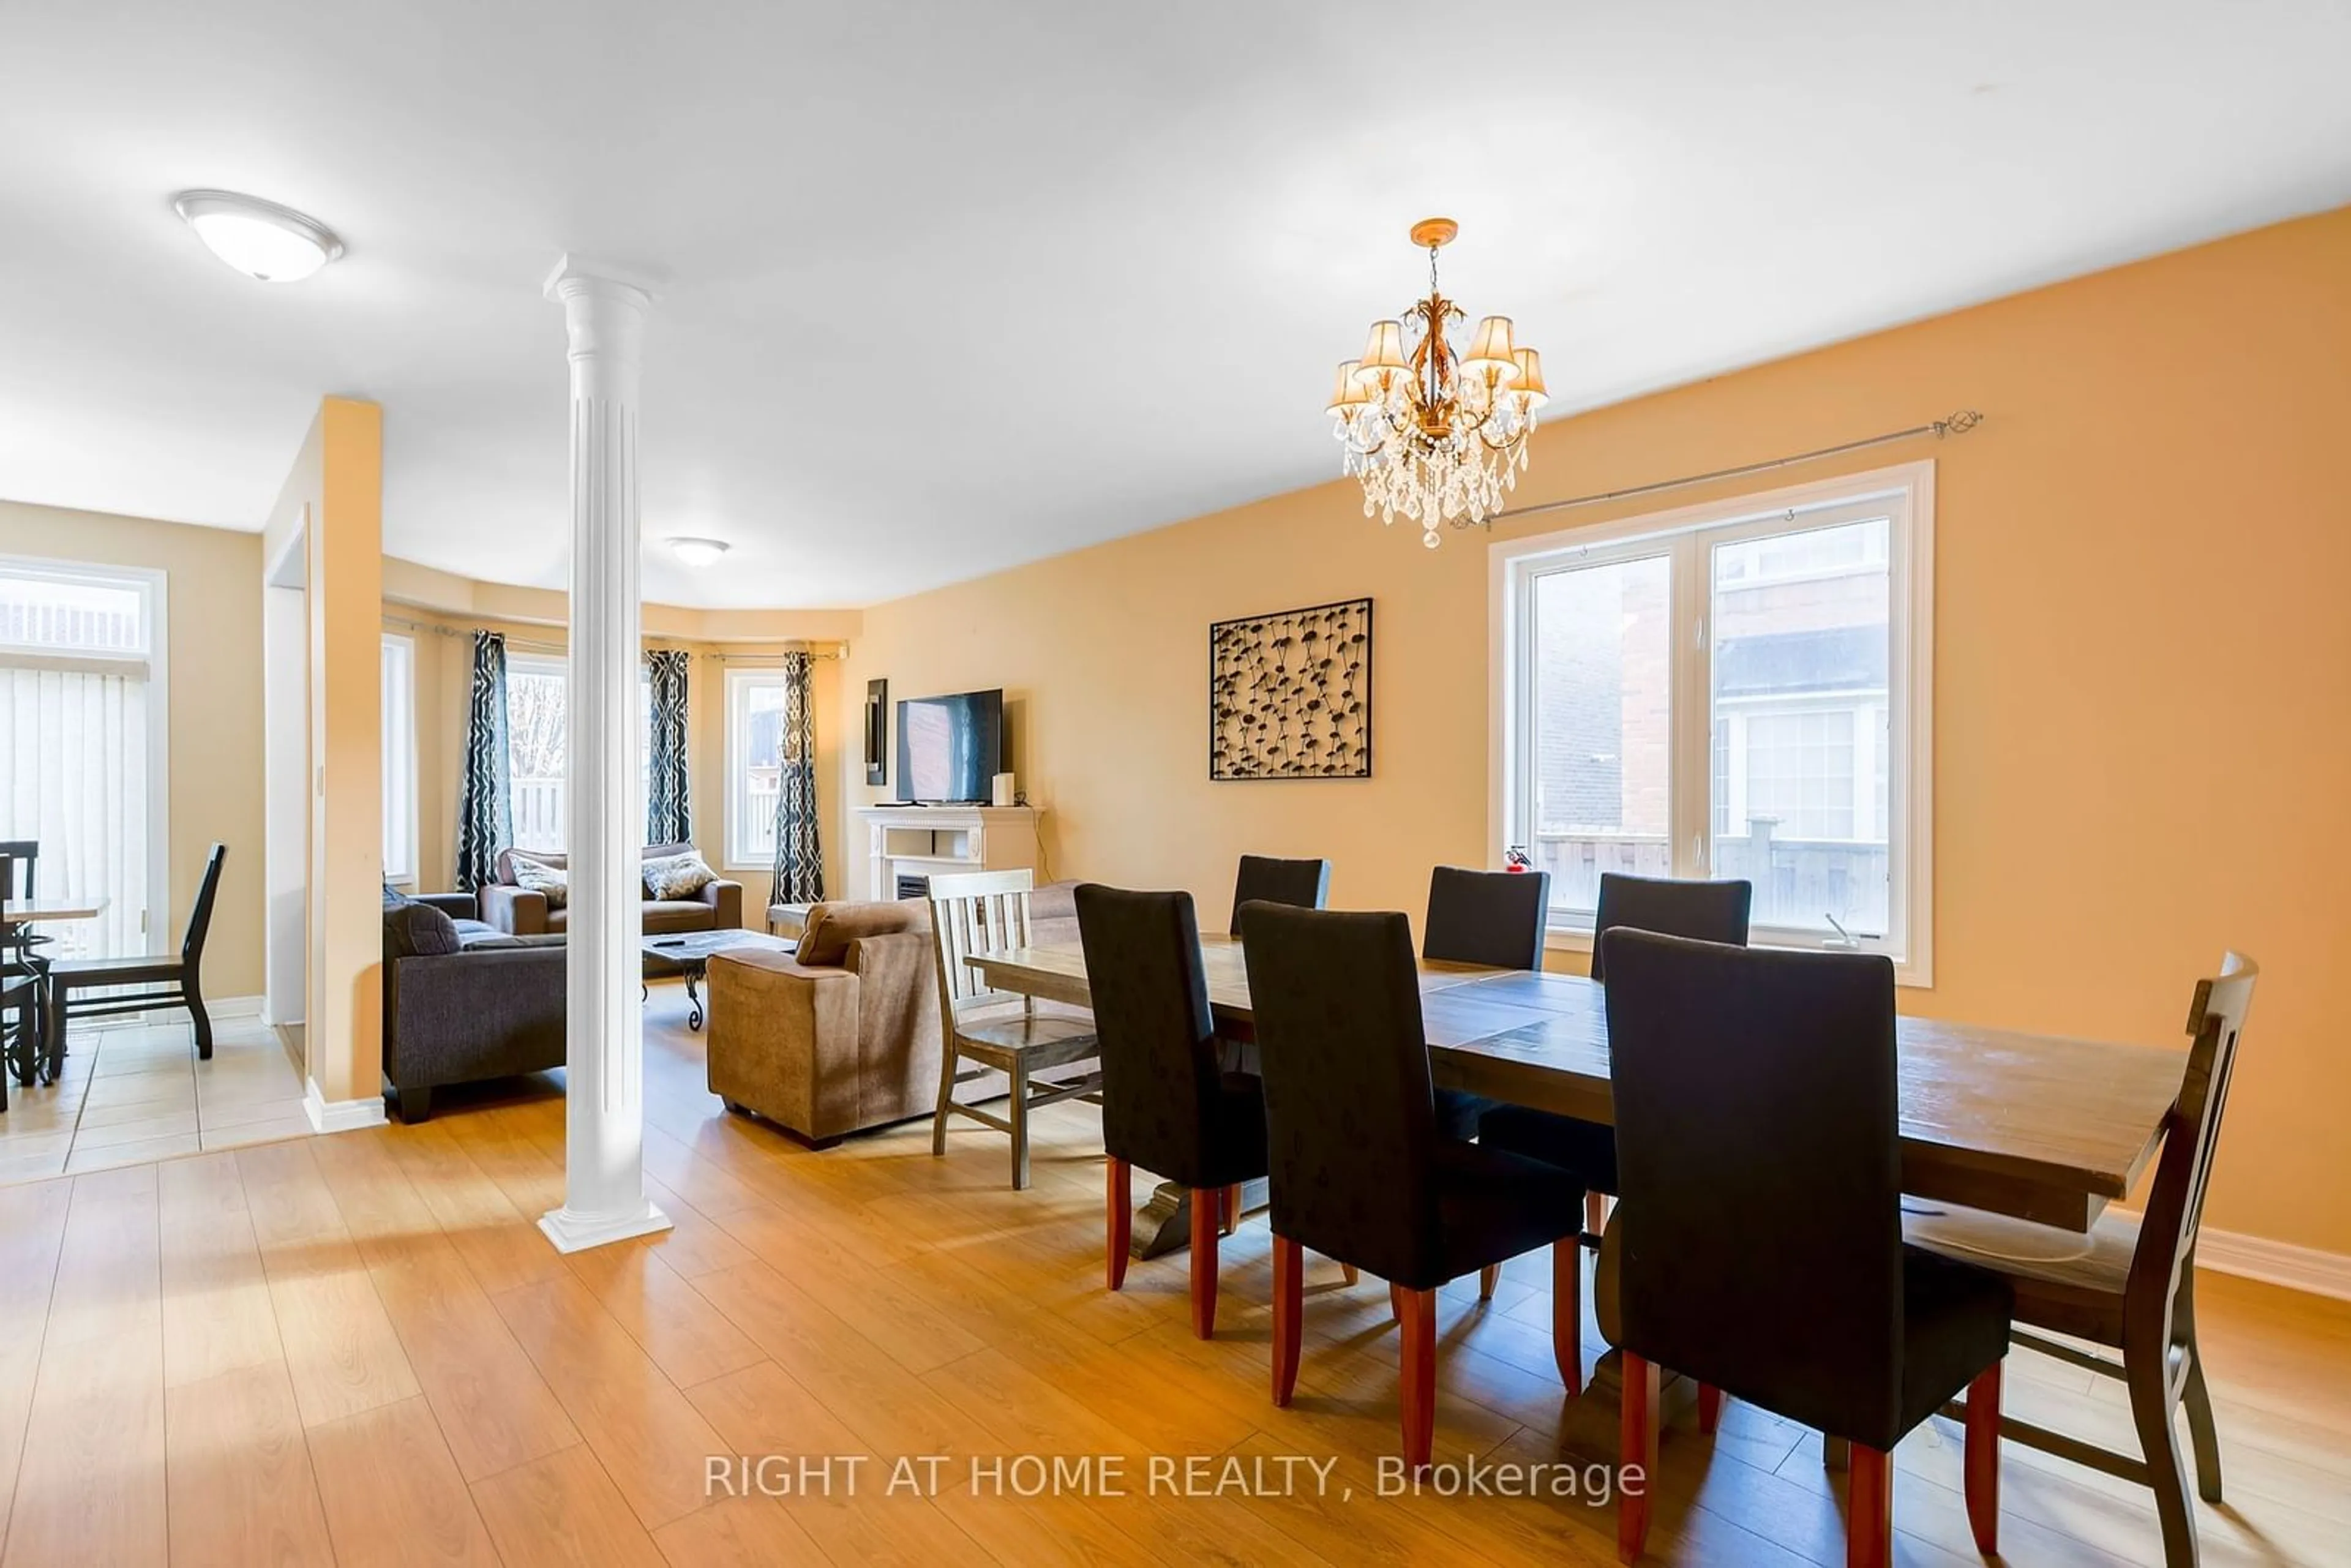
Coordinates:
(1690, 780)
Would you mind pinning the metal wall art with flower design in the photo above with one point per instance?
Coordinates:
(1289, 694)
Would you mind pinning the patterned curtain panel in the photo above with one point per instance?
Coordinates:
(485, 793)
(799, 866)
(669, 805)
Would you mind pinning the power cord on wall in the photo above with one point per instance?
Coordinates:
(1044, 861)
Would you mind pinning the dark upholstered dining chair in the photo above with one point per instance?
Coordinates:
(160, 982)
(1759, 1225)
(1302, 884)
(1701, 910)
(1167, 1105)
(1491, 917)
(1361, 1170)
(2133, 1289)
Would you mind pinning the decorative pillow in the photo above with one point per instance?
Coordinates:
(547, 881)
(677, 876)
(393, 898)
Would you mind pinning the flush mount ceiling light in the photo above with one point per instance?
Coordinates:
(1437, 434)
(260, 239)
(698, 553)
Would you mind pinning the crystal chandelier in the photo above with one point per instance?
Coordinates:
(1438, 435)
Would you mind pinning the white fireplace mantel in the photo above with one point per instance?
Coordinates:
(940, 840)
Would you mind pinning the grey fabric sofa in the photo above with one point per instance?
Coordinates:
(521, 913)
(464, 1001)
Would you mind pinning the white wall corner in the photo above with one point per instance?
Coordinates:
(2275, 1262)
(340, 1115)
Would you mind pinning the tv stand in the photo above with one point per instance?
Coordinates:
(924, 841)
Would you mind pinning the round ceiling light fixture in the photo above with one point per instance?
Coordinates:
(260, 239)
(698, 553)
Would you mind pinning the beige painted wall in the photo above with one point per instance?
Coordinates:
(336, 483)
(419, 604)
(2143, 665)
(214, 588)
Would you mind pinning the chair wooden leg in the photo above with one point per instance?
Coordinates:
(1419, 1390)
(2146, 1372)
(200, 1018)
(1983, 1459)
(1118, 1201)
(1869, 1521)
(1488, 1278)
(1204, 1227)
(2193, 1395)
(948, 1059)
(1288, 1307)
(1395, 1302)
(1595, 1212)
(1636, 1455)
(1349, 1274)
(1019, 1114)
(1709, 1407)
(1231, 1199)
(1836, 1453)
(1567, 1311)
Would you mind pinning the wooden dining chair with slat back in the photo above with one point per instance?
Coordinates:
(2130, 1285)
(1001, 1034)
(137, 983)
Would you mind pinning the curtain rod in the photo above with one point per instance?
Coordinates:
(1956, 423)
(787, 645)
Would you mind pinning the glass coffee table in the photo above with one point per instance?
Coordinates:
(688, 952)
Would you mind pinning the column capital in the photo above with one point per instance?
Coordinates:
(580, 277)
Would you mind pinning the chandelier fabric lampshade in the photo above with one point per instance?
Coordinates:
(1383, 353)
(1432, 433)
(1490, 349)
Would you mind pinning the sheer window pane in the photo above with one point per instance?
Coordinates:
(1801, 651)
(534, 751)
(755, 759)
(399, 700)
(1602, 724)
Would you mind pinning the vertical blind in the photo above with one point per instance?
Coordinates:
(74, 776)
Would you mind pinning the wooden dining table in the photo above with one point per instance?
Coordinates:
(2034, 1127)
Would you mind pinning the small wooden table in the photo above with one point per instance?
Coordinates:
(2044, 1129)
(688, 952)
(26, 1059)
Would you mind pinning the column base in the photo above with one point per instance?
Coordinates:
(575, 1232)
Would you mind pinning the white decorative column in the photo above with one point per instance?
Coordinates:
(603, 1147)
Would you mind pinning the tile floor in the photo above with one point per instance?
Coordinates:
(136, 1091)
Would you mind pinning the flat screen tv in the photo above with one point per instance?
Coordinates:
(950, 748)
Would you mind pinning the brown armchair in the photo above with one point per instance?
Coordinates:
(519, 912)
(840, 1036)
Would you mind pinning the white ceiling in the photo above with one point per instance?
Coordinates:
(950, 285)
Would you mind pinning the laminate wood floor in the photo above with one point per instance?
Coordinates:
(358, 1349)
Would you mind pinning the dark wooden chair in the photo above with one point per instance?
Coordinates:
(16, 1024)
(1302, 884)
(1361, 1169)
(1758, 1231)
(1491, 917)
(161, 982)
(1701, 910)
(2132, 1287)
(1168, 1106)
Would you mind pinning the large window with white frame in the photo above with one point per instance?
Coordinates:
(399, 695)
(755, 763)
(83, 746)
(1734, 690)
(537, 688)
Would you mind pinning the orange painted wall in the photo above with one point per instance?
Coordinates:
(2143, 663)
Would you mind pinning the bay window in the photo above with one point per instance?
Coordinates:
(1738, 690)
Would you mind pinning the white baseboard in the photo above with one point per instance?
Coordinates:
(234, 1007)
(340, 1115)
(2275, 1262)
